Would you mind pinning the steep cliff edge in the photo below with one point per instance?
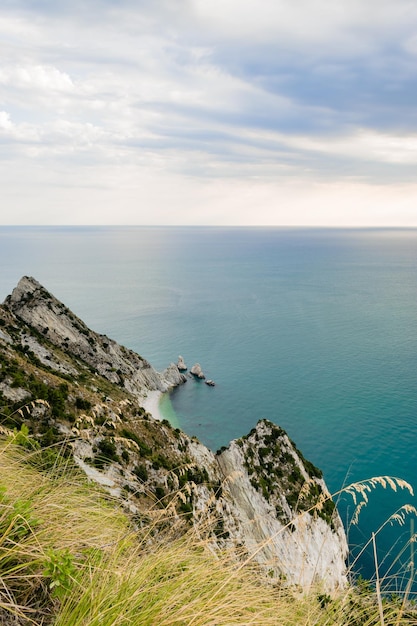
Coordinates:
(31, 303)
(283, 506)
(259, 495)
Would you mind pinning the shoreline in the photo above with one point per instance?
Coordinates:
(158, 404)
(151, 404)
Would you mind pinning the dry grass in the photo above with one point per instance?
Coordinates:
(70, 557)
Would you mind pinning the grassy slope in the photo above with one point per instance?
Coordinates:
(69, 556)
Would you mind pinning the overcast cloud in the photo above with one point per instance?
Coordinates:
(281, 112)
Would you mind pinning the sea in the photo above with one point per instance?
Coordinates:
(313, 329)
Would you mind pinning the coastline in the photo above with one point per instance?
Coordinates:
(159, 405)
(151, 404)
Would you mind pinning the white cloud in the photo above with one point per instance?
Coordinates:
(148, 194)
(5, 121)
(344, 28)
(210, 107)
(35, 78)
(362, 145)
(16, 29)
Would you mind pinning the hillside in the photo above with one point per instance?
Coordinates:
(71, 395)
(71, 557)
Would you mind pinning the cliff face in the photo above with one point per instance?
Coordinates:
(258, 496)
(31, 303)
(283, 505)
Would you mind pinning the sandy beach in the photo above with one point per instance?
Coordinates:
(151, 404)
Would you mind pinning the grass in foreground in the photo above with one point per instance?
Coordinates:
(70, 557)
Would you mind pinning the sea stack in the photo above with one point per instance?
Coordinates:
(181, 365)
(197, 371)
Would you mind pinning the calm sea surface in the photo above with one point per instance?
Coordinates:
(315, 330)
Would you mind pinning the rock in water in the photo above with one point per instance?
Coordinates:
(181, 364)
(197, 371)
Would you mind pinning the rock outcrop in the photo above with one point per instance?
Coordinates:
(283, 510)
(258, 496)
(181, 364)
(31, 303)
(197, 371)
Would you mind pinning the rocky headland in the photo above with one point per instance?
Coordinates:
(258, 496)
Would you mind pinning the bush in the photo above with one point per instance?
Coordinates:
(159, 493)
(82, 404)
(144, 449)
(107, 453)
(141, 472)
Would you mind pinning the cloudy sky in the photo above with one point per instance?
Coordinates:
(281, 112)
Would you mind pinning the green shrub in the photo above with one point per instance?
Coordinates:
(141, 472)
(60, 571)
(106, 453)
(159, 492)
(82, 404)
(144, 449)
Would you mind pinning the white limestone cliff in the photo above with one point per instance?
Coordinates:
(304, 546)
(34, 305)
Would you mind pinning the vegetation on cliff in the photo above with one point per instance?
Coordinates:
(163, 540)
(70, 556)
(95, 390)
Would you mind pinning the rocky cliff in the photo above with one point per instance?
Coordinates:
(31, 303)
(258, 496)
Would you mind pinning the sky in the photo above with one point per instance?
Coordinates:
(229, 112)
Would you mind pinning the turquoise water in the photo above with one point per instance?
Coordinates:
(315, 330)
